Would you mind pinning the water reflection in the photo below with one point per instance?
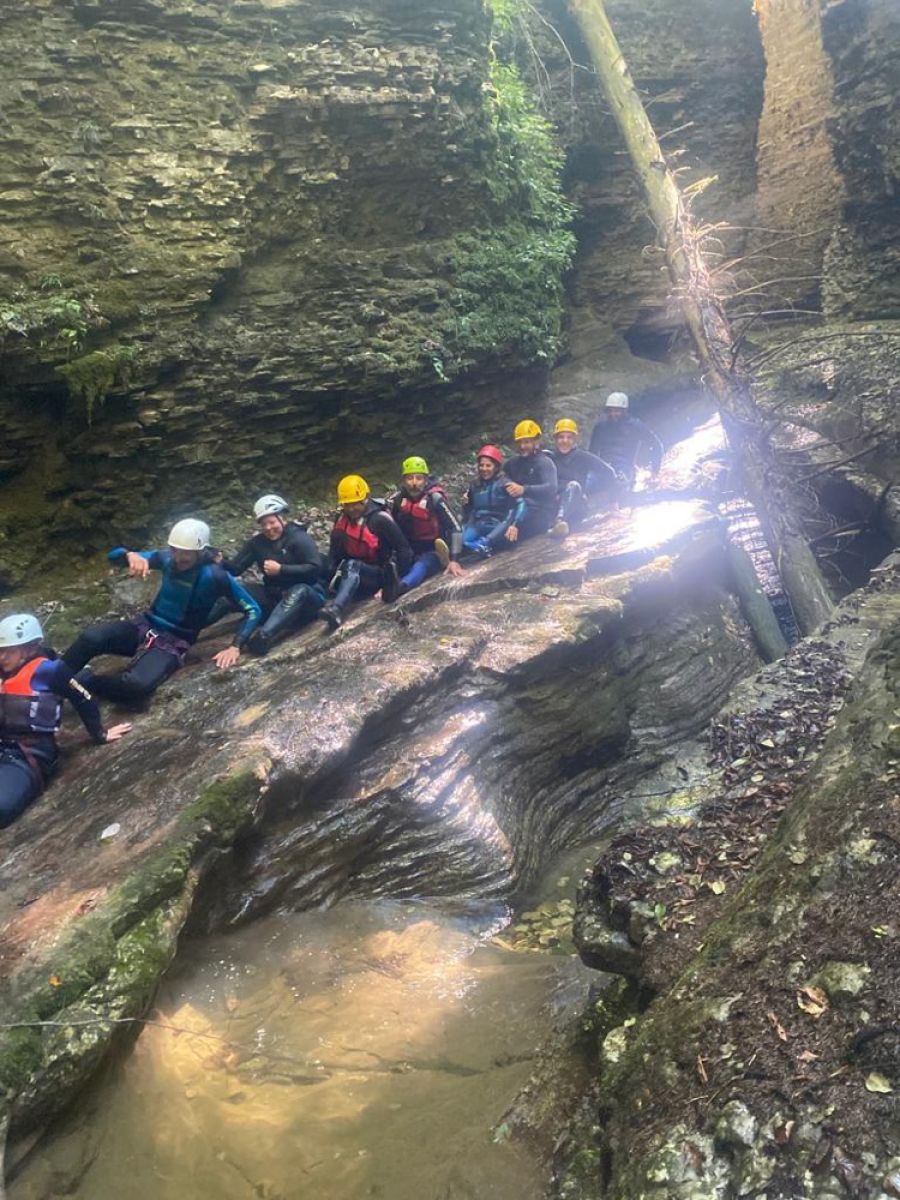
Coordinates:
(366, 1051)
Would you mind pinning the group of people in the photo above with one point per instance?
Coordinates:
(385, 547)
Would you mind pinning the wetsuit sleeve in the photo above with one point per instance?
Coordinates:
(242, 561)
(544, 491)
(653, 444)
(309, 568)
(153, 557)
(597, 435)
(390, 532)
(336, 552)
(600, 467)
(245, 602)
(57, 678)
(451, 530)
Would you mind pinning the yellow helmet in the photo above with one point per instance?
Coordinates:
(352, 489)
(566, 425)
(527, 429)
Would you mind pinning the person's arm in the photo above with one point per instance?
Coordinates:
(139, 562)
(451, 530)
(241, 598)
(308, 565)
(242, 561)
(336, 552)
(390, 532)
(545, 491)
(653, 444)
(56, 677)
(600, 468)
(467, 505)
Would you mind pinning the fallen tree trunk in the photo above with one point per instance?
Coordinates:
(767, 484)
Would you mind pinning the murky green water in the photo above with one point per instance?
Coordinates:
(367, 1051)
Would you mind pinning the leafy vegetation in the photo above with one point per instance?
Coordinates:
(57, 318)
(94, 375)
(508, 274)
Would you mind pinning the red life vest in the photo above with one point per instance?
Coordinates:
(417, 520)
(359, 540)
(24, 711)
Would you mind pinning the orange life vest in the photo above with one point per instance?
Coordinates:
(25, 711)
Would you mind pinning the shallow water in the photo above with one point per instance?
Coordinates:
(370, 1050)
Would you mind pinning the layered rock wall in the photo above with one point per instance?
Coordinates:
(240, 241)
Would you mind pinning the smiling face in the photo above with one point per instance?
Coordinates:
(354, 511)
(527, 446)
(271, 526)
(487, 469)
(414, 485)
(565, 441)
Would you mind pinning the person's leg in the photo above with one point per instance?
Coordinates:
(348, 583)
(371, 579)
(572, 509)
(297, 607)
(19, 786)
(495, 537)
(139, 680)
(535, 521)
(110, 637)
(424, 566)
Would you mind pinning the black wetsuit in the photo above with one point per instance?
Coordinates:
(289, 599)
(619, 441)
(580, 474)
(537, 474)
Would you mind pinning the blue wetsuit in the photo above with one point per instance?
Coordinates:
(488, 511)
(161, 638)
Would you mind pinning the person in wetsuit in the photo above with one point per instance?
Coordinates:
(532, 477)
(428, 523)
(158, 642)
(294, 584)
(579, 474)
(620, 439)
(489, 512)
(33, 685)
(368, 551)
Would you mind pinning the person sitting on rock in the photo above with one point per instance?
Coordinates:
(489, 512)
(33, 685)
(429, 524)
(158, 642)
(579, 474)
(619, 439)
(368, 550)
(293, 570)
(532, 476)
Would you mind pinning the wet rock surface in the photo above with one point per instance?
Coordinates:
(758, 1054)
(432, 747)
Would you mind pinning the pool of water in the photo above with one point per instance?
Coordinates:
(369, 1050)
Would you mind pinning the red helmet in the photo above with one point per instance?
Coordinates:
(492, 452)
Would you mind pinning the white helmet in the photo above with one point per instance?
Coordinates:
(270, 506)
(19, 630)
(616, 400)
(189, 534)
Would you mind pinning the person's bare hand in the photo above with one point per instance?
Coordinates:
(227, 658)
(118, 731)
(453, 568)
(137, 565)
(512, 534)
(271, 567)
(515, 490)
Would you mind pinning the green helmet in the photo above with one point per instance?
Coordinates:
(414, 465)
